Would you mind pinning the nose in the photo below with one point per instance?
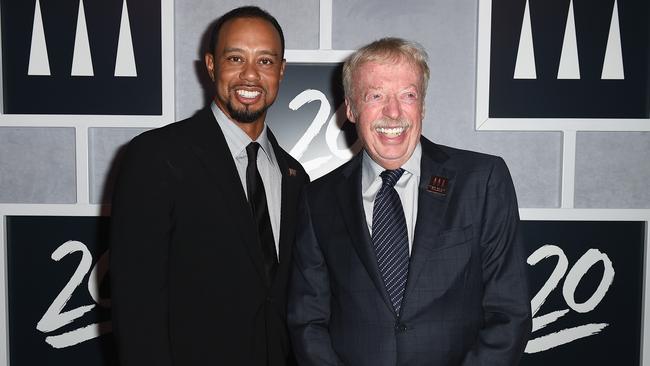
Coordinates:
(392, 108)
(249, 72)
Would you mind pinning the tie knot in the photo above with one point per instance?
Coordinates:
(390, 177)
(251, 151)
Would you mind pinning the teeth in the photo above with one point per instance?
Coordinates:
(391, 132)
(248, 94)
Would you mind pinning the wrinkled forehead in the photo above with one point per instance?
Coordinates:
(377, 74)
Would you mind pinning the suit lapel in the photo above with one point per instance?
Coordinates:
(209, 144)
(351, 205)
(432, 208)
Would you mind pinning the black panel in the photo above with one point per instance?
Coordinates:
(588, 97)
(100, 94)
(36, 280)
(618, 343)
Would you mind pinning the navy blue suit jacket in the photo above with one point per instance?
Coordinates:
(466, 300)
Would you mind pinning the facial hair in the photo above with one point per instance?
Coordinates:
(386, 122)
(245, 115)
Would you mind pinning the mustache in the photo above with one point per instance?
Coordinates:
(247, 85)
(385, 122)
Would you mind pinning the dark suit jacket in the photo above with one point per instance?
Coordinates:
(187, 279)
(466, 300)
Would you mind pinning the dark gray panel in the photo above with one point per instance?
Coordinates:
(612, 170)
(299, 21)
(105, 147)
(37, 165)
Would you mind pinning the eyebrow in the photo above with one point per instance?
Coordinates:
(262, 52)
(381, 88)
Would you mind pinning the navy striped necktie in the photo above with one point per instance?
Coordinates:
(390, 237)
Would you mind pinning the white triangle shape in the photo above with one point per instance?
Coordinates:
(125, 59)
(82, 63)
(525, 64)
(569, 63)
(39, 62)
(613, 64)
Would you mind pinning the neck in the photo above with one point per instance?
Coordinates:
(252, 129)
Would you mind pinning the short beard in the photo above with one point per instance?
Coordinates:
(245, 115)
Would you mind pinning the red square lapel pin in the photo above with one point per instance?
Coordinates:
(438, 185)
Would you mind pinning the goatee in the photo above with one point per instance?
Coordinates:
(245, 115)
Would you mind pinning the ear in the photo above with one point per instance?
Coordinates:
(424, 109)
(348, 111)
(282, 66)
(209, 64)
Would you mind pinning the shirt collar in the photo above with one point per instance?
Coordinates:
(371, 170)
(237, 139)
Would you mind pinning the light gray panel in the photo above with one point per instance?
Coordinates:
(432, 23)
(534, 159)
(612, 170)
(37, 165)
(106, 146)
(299, 20)
(447, 29)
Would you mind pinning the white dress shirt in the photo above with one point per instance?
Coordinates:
(406, 187)
(267, 165)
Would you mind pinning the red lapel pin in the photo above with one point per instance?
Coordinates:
(292, 172)
(438, 185)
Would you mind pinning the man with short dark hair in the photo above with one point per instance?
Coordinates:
(203, 218)
(409, 254)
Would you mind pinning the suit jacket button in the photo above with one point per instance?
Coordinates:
(399, 327)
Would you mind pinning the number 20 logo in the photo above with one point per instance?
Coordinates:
(55, 318)
(579, 269)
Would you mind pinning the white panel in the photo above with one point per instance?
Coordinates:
(39, 63)
(325, 30)
(569, 64)
(525, 65)
(82, 63)
(125, 60)
(81, 151)
(568, 168)
(613, 64)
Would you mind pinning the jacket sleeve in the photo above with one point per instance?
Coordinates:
(309, 297)
(139, 246)
(506, 302)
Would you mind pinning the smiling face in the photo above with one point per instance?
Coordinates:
(387, 108)
(247, 67)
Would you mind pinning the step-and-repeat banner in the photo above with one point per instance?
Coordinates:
(586, 277)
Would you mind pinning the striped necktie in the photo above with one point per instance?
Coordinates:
(390, 237)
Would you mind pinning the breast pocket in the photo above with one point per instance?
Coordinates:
(447, 260)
